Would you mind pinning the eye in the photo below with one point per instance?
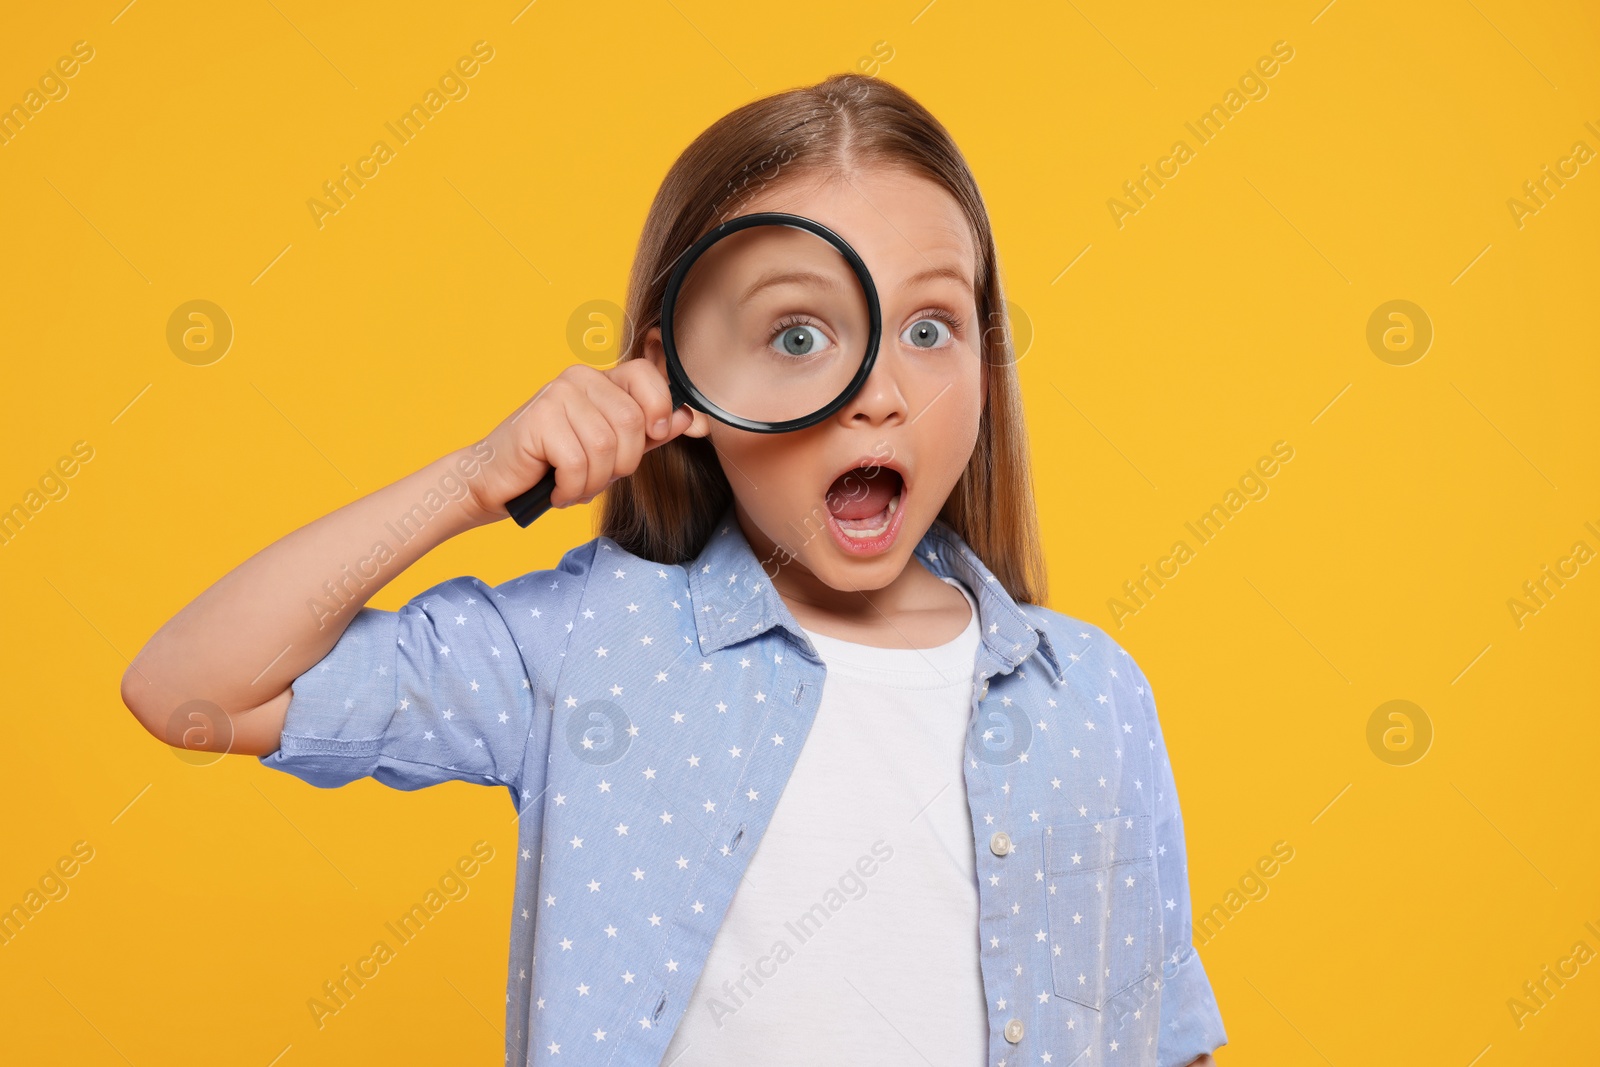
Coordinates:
(798, 338)
(935, 329)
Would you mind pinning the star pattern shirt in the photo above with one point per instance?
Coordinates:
(644, 719)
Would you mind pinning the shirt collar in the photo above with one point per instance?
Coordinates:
(734, 601)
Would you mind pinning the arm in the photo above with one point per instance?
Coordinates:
(239, 645)
(1190, 1023)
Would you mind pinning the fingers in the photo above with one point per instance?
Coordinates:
(627, 422)
(682, 419)
(602, 442)
(648, 388)
(563, 450)
(601, 425)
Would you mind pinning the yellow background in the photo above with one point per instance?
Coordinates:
(1228, 313)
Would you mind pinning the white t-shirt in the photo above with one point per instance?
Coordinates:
(853, 937)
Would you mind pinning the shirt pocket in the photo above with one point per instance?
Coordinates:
(1100, 907)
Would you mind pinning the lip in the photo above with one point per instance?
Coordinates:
(873, 461)
(852, 546)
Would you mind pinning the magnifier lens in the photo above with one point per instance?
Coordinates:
(771, 323)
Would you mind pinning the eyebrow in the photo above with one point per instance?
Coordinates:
(788, 277)
(936, 273)
(823, 281)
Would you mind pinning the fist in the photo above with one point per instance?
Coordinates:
(592, 426)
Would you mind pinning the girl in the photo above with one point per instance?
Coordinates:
(804, 773)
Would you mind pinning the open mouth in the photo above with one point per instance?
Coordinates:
(864, 503)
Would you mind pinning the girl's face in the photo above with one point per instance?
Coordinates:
(848, 499)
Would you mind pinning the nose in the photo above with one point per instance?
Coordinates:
(880, 400)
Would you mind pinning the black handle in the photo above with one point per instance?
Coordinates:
(535, 502)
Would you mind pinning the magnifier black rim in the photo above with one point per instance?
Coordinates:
(680, 379)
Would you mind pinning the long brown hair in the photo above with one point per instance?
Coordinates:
(666, 509)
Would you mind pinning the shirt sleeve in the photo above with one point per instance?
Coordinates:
(454, 686)
(1191, 1024)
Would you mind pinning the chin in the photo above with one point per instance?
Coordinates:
(848, 570)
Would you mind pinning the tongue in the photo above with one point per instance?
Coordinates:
(856, 495)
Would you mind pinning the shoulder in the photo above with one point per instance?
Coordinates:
(610, 565)
(593, 575)
(538, 607)
(536, 591)
(1089, 656)
(576, 568)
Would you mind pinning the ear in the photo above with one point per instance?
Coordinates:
(700, 426)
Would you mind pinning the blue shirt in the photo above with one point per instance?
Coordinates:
(644, 718)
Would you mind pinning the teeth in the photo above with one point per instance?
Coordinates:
(864, 535)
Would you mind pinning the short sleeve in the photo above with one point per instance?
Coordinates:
(1191, 1024)
(449, 688)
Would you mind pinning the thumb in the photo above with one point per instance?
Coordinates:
(682, 419)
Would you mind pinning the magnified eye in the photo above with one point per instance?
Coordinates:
(799, 339)
(927, 333)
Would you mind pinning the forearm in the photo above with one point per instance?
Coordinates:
(260, 626)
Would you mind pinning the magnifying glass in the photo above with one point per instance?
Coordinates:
(770, 323)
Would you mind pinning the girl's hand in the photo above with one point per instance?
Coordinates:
(593, 426)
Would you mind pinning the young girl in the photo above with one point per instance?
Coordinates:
(804, 773)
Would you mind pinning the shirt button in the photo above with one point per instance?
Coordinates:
(1000, 845)
(1014, 1031)
(983, 690)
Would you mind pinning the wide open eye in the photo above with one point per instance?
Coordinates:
(793, 338)
(927, 333)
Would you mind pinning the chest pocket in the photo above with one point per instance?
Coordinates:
(1101, 907)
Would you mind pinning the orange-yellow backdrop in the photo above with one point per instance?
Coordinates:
(1172, 346)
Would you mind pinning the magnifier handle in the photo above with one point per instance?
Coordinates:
(527, 507)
